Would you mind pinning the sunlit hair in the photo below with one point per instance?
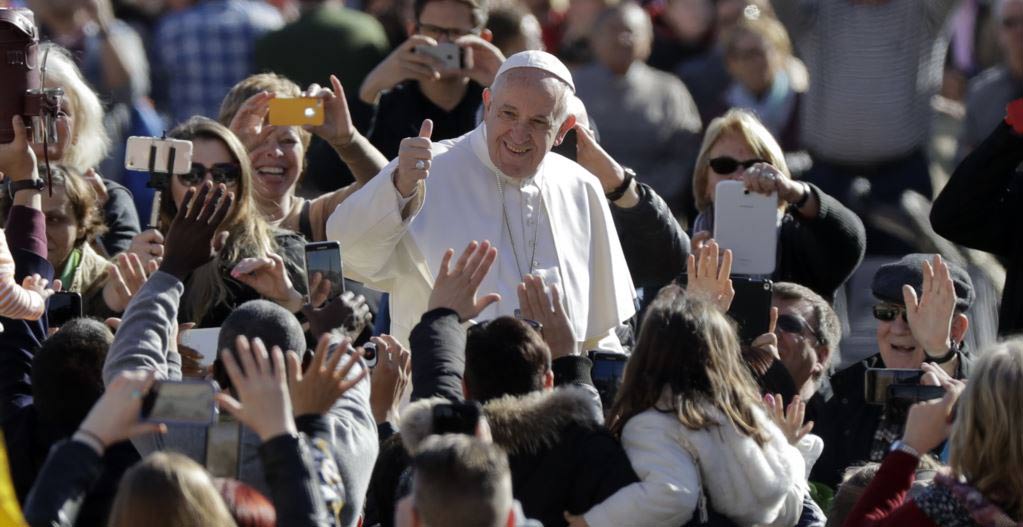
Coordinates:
(89, 143)
(279, 85)
(687, 360)
(750, 129)
(249, 234)
(765, 27)
(986, 444)
(168, 490)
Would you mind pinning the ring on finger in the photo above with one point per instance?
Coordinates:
(420, 165)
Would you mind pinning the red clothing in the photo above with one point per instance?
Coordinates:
(882, 504)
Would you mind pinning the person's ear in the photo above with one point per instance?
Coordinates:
(465, 391)
(548, 380)
(821, 367)
(960, 324)
(565, 127)
(487, 35)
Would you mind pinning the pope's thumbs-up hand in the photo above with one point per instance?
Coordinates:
(414, 157)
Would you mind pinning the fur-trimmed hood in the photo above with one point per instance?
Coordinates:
(520, 424)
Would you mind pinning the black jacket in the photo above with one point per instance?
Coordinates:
(654, 244)
(73, 467)
(981, 208)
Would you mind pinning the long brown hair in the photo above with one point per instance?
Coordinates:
(168, 490)
(687, 361)
(249, 235)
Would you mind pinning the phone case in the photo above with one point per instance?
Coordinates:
(296, 111)
(139, 151)
(449, 54)
(746, 223)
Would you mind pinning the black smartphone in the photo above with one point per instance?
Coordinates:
(608, 369)
(180, 402)
(878, 382)
(457, 418)
(751, 307)
(63, 307)
(324, 258)
(223, 445)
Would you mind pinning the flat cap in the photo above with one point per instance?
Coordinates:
(889, 279)
(540, 60)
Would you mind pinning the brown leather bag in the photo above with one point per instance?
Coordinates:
(19, 65)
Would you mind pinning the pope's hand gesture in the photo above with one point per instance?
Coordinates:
(709, 280)
(414, 157)
(930, 319)
(456, 288)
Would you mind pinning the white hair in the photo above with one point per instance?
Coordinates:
(89, 143)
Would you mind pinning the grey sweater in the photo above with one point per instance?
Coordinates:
(142, 343)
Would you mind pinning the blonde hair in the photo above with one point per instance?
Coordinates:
(986, 445)
(750, 129)
(168, 490)
(271, 82)
(765, 27)
(89, 143)
(248, 233)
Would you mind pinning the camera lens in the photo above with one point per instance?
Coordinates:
(369, 352)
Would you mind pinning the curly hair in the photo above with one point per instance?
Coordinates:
(82, 198)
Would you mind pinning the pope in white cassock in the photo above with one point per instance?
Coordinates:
(546, 215)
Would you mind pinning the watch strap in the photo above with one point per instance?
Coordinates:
(34, 183)
(806, 196)
(617, 193)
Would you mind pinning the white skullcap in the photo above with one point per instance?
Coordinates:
(540, 60)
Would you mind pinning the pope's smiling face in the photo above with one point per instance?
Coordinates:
(524, 116)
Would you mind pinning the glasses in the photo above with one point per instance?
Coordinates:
(796, 325)
(226, 173)
(727, 165)
(449, 33)
(889, 312)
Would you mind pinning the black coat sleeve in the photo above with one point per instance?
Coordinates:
(654, 244)
(438, 355)
(974, 208)
(121, 217)
(293, 483)
(821, 252)
(56, 498)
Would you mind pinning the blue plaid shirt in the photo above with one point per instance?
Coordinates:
(205, 50)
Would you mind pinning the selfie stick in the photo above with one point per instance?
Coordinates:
(158, 181)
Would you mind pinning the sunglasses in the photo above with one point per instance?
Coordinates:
(726, 165)
(226, 173)
(795, 325)
(889, 312)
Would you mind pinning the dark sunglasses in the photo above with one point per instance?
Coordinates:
(727, 165)
(795, 325)
(538, 327)
(226, 173)
(889, 312)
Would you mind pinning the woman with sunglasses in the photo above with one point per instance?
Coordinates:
(215, 288)
(820, 242)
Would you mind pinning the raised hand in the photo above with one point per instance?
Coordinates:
(249, 123)
(548, 311)
(404, 63)
(456, 289)
(769, 341)
(148, 245)
(710, 279)
(930, 318)
(195, 232)
(259, 382)
(790, 421)
(414, 157)
(594, 158)
(269, 278)
(116, 415)
(348, 312)
(389, 378)
(125, 278)
(40, 286)
(337, 128)
(325, 380)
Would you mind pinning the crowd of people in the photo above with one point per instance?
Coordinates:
(539, 323)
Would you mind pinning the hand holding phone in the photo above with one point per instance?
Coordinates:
(323, 270)
(116, 415)
(449, 55)
(607, 373)
(746, 223)
(296, 111)
(180, 402)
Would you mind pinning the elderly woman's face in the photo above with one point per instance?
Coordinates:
(61, 227)
(733, 145)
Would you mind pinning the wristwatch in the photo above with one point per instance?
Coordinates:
(617, 193)
(34, 183)
(806, 197)
(901, 446)
(953, 352)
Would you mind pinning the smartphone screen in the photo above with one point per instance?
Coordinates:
(223, 443)
(607, 372)
(323, 260)
(180, 402)
(63, 307)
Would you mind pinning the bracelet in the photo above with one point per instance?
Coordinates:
(806, 197)
(953, 352)
(901, 446)
(90, 439)
(617, 193)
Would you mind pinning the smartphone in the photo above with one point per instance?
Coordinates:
(180, 402)
(63, 307)
(153, 154)
(450, 55)
(746, 223)
(751, 306)
(457, 418)
(325, 258)
(296, 111)
(607, 372)
(370, 355)
(878, 381)
(910, 394)
(223, 445)
(204, 341)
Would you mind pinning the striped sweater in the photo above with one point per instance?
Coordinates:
(15, 301)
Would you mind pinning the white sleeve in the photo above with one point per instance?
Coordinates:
(669, 486)
(369, 226)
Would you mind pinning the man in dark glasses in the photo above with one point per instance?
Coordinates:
(921, 317)
(808, 332)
